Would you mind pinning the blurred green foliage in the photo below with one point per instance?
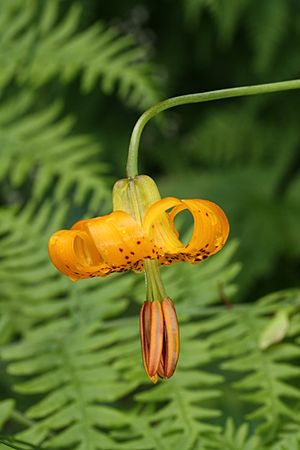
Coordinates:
(74, 77)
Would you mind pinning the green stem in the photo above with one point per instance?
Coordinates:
(132, 161)
(154, 284)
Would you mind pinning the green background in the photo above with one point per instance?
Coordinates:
(74, 78)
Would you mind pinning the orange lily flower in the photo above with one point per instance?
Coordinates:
(117, 243)
(141, 235)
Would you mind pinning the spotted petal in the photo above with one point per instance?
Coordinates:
(210, 231)
(100, 246)
(74, 254)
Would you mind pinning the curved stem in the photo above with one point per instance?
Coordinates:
(132, 161)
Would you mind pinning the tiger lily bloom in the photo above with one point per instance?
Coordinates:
(140, 235)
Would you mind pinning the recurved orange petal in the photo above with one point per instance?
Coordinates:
(119, 239)
(74, 254)
(210, 232)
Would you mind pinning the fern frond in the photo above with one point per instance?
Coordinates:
(6, 408)
(16, 444)
(185, 405)
(14, 23)
(40, 145)
(173, 414)
(64, 361)
(289, 439)
(74, 388)
(234, 438)
(24, 265)
(37, 46)
(266, 374)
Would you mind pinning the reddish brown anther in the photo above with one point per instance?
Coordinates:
(159, 338)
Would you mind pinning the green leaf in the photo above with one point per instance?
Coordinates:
(101, 55)
(6, 408)
(276, 330)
